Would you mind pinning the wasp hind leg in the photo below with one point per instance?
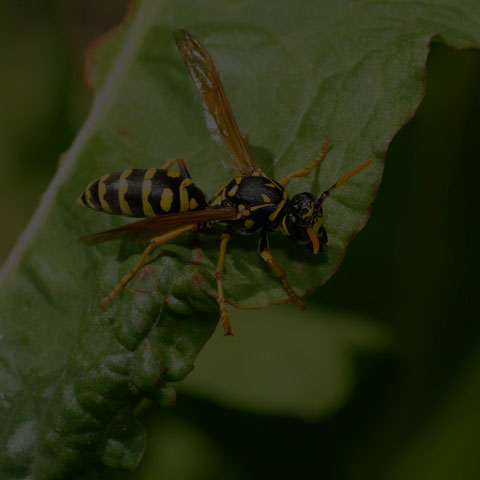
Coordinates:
(182, 166)
(265, 253)
(156, 242)
(226, 236)
(304, 172)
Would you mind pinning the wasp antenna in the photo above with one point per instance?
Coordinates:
(342, 180)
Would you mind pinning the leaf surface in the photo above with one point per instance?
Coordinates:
(353, 72)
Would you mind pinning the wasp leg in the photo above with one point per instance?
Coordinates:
(304, 172)
(156, 242)
(218, 275)
(265, 253)
(181, 165)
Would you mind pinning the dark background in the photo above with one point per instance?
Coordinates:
(414, 410)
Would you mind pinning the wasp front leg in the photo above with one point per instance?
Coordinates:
(156, 242)
(265, 253)
(304, 172)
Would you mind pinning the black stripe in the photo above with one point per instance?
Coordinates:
(111, 193)
(94, 200)
(159, 181)
(133, 196)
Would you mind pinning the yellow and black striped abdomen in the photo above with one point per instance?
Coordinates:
(143, 193)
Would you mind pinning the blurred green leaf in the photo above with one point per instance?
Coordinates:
(72, 375)
(178, 450)
(446, 444)
(276, 365)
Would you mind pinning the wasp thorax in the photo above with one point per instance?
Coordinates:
(302, 221)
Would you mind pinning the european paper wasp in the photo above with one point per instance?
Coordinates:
(172, 204)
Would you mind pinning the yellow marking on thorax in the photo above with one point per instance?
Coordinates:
(102, 190)
(249, 223)
(216, 201)
(272, 185)
(266, 198)
(258, 207)
(193, 204)
(238, 180)
(122, 190)
(284, 226)
(233, 191)
(219, 196)
(146, 189)
(173, 174)
(166, 200)
(184, 199)
(272, 217)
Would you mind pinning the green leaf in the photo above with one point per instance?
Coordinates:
(295, 74)
(431, 453)
(285, 364)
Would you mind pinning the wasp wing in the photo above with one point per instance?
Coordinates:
(150, 228)
(207, 80)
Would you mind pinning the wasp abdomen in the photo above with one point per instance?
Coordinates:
(143, 193)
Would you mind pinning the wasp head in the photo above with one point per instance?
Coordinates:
(302, 221)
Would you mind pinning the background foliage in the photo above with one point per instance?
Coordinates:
(397, 359)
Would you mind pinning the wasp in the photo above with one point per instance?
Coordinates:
(171, 204)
